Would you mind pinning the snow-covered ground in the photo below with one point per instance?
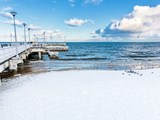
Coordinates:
(82, 95)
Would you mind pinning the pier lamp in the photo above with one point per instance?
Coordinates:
(24, 24)
(14, 14)
(11, 37)
(50, 38)
(29, 29)
(44, 36)
(36, 37)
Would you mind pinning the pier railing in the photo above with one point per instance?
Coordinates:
(52, 47)
(10, 51)
(57, 48)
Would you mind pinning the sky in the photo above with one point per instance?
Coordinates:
(82, 20)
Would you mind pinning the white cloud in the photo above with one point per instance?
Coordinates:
(11, 22)
(72, 3)
(95, 2)
(7, 9)
(54, 33)
(84, 2)
(34, 27)
(50, 35)
(143, 21)
(77, 22)
(143, 18)
(6, 0)
(6, 14)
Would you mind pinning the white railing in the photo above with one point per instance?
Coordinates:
(38, 45)
(56, 48)
(10, 51)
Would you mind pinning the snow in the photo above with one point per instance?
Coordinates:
(82, 95)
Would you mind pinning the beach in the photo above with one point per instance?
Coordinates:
(79, 60)
(82, 95)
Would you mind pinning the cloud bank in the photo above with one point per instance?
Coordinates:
(143, 21)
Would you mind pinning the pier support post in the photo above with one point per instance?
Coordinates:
(13, 64)
(24, 56)
(39, 55)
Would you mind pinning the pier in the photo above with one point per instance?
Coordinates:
(10, 58)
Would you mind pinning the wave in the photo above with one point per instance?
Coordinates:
(77, 55)
(139, 56)
(96, 58)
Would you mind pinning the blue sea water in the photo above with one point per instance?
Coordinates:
(103, 56)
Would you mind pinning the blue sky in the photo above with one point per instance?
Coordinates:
(83, 20)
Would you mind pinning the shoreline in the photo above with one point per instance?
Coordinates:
(123, 72)
(22, 72)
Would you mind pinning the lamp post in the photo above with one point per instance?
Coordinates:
(24, 24)
(11, 37)
(64, 37)
(50, 38)
(36, 38)
(44, 36)
(29, 29)
(15, 36)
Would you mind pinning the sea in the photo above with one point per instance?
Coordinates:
(99, 56)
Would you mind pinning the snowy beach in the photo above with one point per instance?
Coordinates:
(82, 95)
(79, 60)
